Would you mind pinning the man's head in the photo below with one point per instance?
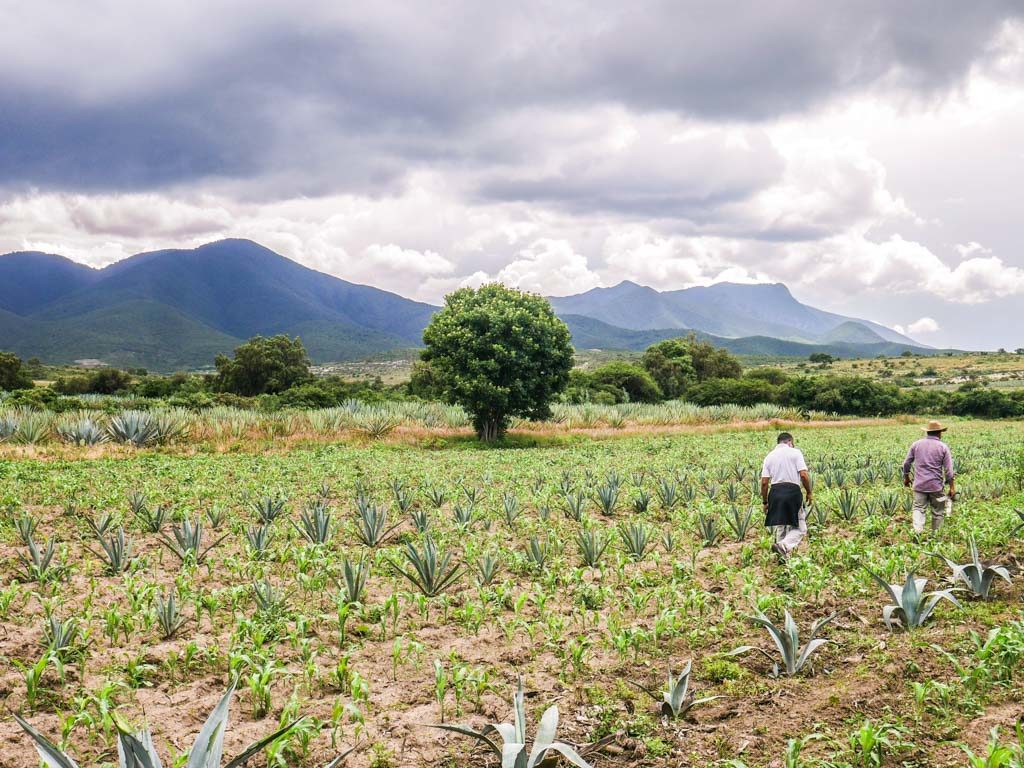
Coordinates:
(935, 433)
(784, 437)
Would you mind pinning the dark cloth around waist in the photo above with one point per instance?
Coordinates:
(784, 502)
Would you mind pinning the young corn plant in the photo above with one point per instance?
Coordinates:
(592, 543)
(911, 604)
(512, 748)
(793, 657)
(431, 571)
(137, 750)
(976, 575)
(636, 538)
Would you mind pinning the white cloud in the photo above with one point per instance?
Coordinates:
(549, 267)
(922, 326)
(969, 249)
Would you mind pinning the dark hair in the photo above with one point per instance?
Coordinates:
(784, 437)
(935, 433)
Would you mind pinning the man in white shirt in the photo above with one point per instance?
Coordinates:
(783, 472)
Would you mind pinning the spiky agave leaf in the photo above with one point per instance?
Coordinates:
(137, 751)
(49, 753)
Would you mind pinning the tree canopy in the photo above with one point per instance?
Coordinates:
(499, 353)
(12, 374)
(263, 366)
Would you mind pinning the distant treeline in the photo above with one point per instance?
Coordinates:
(274, 374)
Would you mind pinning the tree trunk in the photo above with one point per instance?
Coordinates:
(489, 429)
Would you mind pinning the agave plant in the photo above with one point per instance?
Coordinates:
(137, 428)
(168, 615)
(667, 492)
(739, 522)
(976, 575)
(636, 538)
(152, 520)
(26, 526)
(117, 552)
(259, 538)
(787, 640)
(268, 508)
(709, 529)
(607, 497)
(1020, 526)
(592, 543)
(512, 509)
(137, 750)
(487, 567)
(677, 699)
(574, 505)
(315, 523)
(911, 604)
(39, 565)
(848, 503)
(431, 571)
(512, 750)
(372, 523)
(538, 551)
(188, 540)
(84, 431)
(355, 576)
(420, 520)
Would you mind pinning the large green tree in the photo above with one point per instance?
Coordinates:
(498, 353)
(12, 374)
(671, 366)
(263, 366)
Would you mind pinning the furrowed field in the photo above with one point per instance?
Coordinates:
(591, 567)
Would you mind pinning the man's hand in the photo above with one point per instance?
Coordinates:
(810, 499)
(906, 480)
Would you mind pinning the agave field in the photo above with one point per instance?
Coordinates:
(109, 421)
(595, 602)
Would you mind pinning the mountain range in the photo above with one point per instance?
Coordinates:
(176, 309)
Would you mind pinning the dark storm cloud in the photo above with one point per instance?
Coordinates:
(310, 99)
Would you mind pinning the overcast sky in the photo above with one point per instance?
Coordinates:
(868, 154)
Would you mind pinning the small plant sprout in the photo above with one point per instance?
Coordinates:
(911, 604)
(512, 749)
(976, 575)
(787, 641)
(137, 750)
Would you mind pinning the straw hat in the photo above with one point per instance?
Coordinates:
(934, 426)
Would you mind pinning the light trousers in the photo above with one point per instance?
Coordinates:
(940, 504)
(789, 537)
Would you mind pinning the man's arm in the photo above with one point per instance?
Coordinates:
(766, 484)
(947, 465)
(907, 464)
(805, 481)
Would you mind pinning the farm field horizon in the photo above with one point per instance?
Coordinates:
(678, 558)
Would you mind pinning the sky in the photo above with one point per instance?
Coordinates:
(868, 154)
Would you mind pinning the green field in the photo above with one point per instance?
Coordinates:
(375, 668)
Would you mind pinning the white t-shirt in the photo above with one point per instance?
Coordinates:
(784, 464)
